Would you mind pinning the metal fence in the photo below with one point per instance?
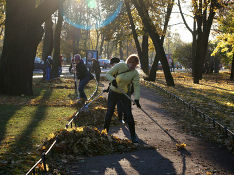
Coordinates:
(44, 154)
(196, 111)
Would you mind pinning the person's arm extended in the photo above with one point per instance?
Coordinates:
(136, 84)
(113, 71)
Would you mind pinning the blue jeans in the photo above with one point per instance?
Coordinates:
(113, 99)
(82, 84)
(48, 69)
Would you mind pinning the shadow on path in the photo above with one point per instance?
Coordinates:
(140, 162)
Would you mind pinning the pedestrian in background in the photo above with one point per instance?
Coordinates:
(97, 70)
(83, 75)
(48, 64)
(125, 75)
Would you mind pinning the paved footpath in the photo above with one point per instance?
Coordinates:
(199, 158)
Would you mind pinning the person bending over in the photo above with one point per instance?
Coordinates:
(83, 75)
(121, 76)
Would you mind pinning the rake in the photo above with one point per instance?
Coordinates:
(178, 144)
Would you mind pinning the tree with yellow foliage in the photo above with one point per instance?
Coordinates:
(225, 38)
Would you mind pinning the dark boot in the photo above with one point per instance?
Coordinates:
(134, 139)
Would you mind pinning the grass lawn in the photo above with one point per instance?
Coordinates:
(25, 122)
(213, 96)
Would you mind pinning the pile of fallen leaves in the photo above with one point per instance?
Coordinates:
(88, 141)
(94, 115)
(75, 143)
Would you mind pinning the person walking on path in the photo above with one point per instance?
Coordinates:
(121, 76)
(48, 64)
(83, 75)
(96, 69)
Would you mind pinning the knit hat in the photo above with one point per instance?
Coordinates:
(114, 60)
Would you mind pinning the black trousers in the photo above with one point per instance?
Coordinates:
(113, 99)
(97, 76)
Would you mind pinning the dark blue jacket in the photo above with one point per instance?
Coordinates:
(82, 72)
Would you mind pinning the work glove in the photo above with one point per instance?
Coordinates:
(137, 103)
(114, 83)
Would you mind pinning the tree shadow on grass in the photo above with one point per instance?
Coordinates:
(24, 141)
(6, 112)
(216, 87)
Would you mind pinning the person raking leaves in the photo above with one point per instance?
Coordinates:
(83, 75)
(121, 76)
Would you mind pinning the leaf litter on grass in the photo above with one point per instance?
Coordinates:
(48, 97)
(212, 98)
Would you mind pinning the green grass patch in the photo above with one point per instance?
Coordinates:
(25, 122)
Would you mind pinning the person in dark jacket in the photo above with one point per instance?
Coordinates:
(48, 66)
(83, 75)
(96, 69)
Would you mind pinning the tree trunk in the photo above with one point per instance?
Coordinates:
(232, 70)
(158, 44)
(145, 53)
(121, 50)
(47, 41)
(200, 55)
(127, 48)
(56, 55)
(194, 45)
(203, 31)
(142, 51)
(111, 48)
(154, 68)
(107, 49)
(23, 32)
(101, 45)
(76, 36)
(98, 37)
(22, 36)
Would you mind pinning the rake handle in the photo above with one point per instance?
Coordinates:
(150, 117)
